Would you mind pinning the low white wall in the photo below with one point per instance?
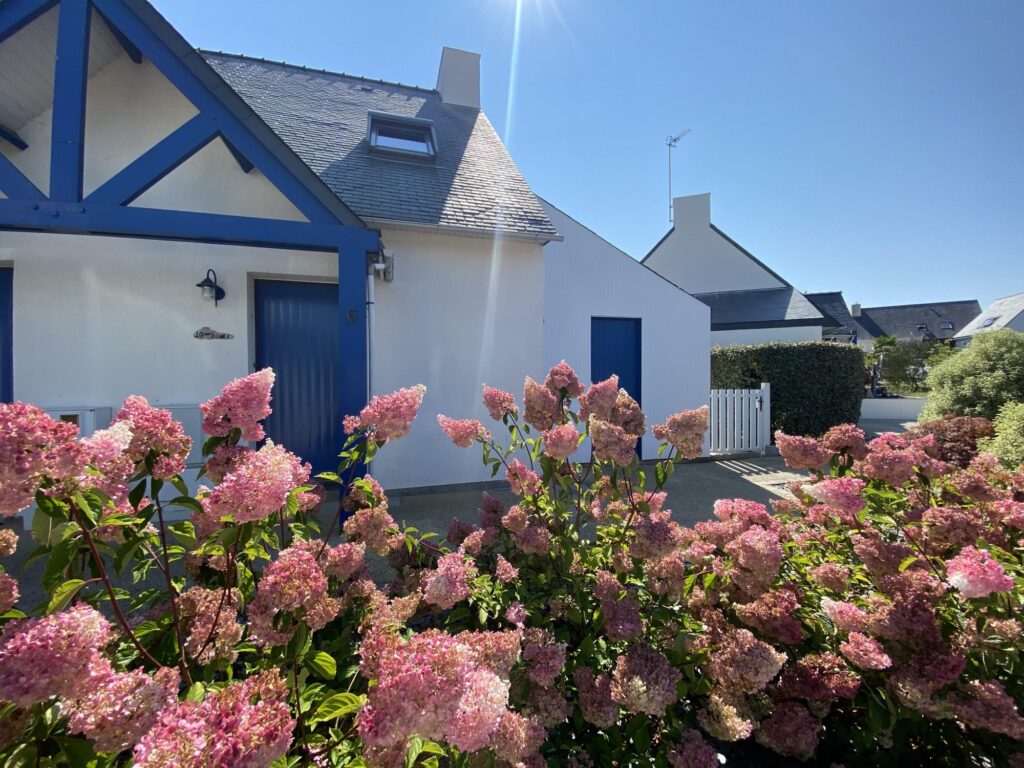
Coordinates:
(461, 312)
(901, 408)
(585, 276)
(765, 335)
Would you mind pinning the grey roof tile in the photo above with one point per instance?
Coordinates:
(760, 308)
(1001, 312)
(905, 321)
(322, 116)
(839, 321)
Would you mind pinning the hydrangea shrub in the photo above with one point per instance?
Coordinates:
(872, 616)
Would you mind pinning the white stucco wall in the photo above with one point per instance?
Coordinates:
(462, 311)
(764, 335)
(697, 258)
(585, 276)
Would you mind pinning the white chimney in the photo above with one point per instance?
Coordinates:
(458, 79)
(855, 310)
(692, 211)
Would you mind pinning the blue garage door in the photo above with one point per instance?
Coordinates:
(6, 335)
(297, 336)
(615, 348)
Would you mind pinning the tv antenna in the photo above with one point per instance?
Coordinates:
(671, 142)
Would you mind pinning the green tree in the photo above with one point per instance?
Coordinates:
(979, 380)
(905, 363)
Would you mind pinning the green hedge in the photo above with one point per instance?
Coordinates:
(815, 384)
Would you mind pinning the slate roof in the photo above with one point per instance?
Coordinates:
(1001, 311)
(838, 320)
(903, 320)
(472, 184)
(763, 308)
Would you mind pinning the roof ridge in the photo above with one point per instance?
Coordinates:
(304, 68)
(923, 304)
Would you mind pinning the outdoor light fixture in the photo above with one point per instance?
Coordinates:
(210, 288)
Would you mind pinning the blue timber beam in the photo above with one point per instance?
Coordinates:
(12, 138)
(233, 127)
(352, 341)
(67, 159)
(159, 224)
(154, 164)
(129, 47)
(15, 14)
(15, 184)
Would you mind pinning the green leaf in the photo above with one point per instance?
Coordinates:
(907, 562)
(322, 664)
(187, 501)
(338, 705)
(196, 692)
(62, 595)
(179, 485)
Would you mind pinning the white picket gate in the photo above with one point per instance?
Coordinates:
(741, 420)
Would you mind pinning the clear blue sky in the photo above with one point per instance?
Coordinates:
(866, 145)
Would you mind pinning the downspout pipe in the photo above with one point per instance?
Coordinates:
(375, 268)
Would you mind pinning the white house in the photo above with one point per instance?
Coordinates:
(749, 302)
(605, 312)
(1007, 312)
(363, 236)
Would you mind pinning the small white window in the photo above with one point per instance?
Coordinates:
(407, 136)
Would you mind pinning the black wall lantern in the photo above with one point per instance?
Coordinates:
(210, 288)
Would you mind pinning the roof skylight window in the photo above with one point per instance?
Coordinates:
(946, 325)
(987, 322)
(406, 136)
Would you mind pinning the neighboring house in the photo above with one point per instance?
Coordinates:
(1007, 312)
(604, 313)
(840, 325)
(935, 321)
(749, 302)
(366, 235)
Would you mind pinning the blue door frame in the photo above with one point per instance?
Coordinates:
(615, 349)
(142, 32)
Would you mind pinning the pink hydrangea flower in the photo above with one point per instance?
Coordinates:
(627, 415)
(685, 430)
(693, 752)
(491, 510)
(462, 432)
(543, 408)
(864, 652)
(656, 536)
(544, 658)
(154, 431)
(516, 614)
(987, 705)
(840, 493)
(534, 539)
(791, 730)
(801, 452)
(599, 400)
(644, 681)
(517, 738)
(241, 405)
(8, 541)
(259, 486)
(372, 527)
(246, 724)
(819, 677)
(892, 459)
(743, 663)
(117, 709)
(210, 618)
(523, 480)
(612, 443)
(225, 459)
(8, 592)
(32, 446)
(773, 615)
(976, 574)
(831, 576)
(442, 687)
(561, 441)
(292, 584)
(505, 571)
(562, 376)
(595, 698)
(499, 403)
(42, 658)
(846, 616)
(388, 417)
(757, 556)
(726, 717)
(449, 583)
(848, 438)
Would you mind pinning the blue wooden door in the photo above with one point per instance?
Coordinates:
(297, 336)
(615, 348)
(6, 335)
